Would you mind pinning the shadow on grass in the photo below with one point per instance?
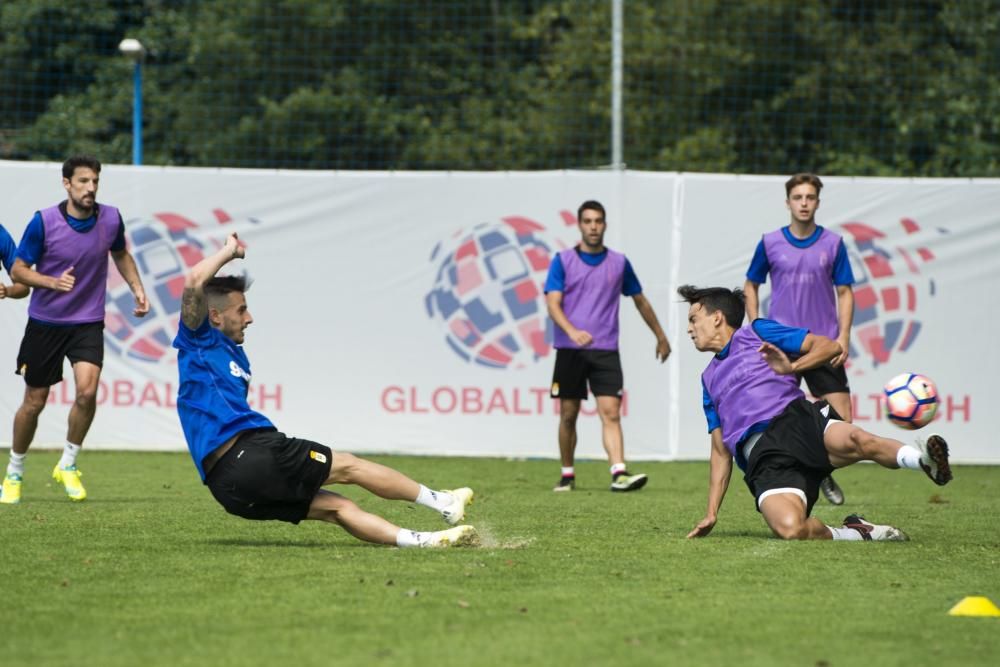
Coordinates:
(764, 534)
(61, 502)
(238, 542)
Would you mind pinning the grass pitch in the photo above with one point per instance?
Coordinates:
(150, 571)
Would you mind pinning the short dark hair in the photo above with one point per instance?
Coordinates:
(221, 286)
(590, 205)
(799, 179)
(732, 302)
(88, 161)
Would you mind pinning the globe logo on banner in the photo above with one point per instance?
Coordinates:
(487, 293)
(165, 248)
(888, 291)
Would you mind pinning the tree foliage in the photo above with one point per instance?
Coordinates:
(836, 86)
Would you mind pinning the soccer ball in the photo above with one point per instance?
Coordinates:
(911, 400)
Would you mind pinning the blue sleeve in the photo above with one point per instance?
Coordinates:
(32, 241)
(709, 407)
(8, 250)
(630, 284)
(193, 339)
(556, 280)
(759, 266)
(788, 339)
(842, 273)
(119, 243)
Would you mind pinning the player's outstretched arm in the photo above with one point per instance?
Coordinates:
(649, 315)
(129, 272)
(193, 307)
(720, 471)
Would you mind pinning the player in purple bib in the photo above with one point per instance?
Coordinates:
(811, 288)
(63, 255)
(784, 444)
(254, 471)
(582, 291)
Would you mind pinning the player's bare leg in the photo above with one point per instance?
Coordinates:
(87, 376)
(26, 417)
(391, 484)
(847, 444)
(610, 409)
(81, 415)
(785, 514)
(335, 508)
(569, 411)
(381, 480)
(841, 402)
(25, 424)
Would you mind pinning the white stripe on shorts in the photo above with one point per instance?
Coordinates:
(825, 411)
(788, 489)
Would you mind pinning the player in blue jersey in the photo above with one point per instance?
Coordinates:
(811, 288)
(784, 444)
(253, 470)
(8, 252)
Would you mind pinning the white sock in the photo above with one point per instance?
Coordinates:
(69, 455)
(410, 538)
(436, 500)
(908, 456)
(567, 471)
(16, 465)
(617, 468)
(848, 534)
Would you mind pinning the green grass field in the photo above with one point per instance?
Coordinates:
(150, 571)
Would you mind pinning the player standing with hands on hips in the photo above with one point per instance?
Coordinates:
(812, 290)
(582, 292)
(254, 471)
(68, 246)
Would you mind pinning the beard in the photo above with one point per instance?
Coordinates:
(84, 204)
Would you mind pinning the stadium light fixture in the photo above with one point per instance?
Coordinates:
(136, 52)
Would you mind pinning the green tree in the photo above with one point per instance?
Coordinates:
(836, 86)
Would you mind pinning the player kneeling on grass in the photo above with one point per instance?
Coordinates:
(253, 470)
(784, 444)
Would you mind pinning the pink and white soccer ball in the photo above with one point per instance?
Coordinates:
(911, 400)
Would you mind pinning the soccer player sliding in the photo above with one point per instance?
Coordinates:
(784, 444)
(253, 470)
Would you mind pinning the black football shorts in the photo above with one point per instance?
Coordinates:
(266, 475)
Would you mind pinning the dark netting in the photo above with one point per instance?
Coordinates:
(894, 87)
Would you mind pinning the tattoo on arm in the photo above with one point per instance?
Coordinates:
(193, 308)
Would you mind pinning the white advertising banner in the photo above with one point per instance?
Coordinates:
(403, 312)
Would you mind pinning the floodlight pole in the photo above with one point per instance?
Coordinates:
(137, 113)
(133, 49)
(617, 77)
